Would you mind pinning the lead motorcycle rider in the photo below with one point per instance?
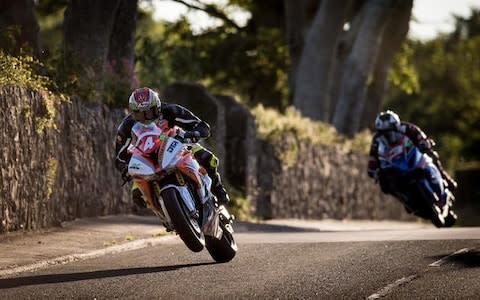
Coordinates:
(145, 107)
(389, 127)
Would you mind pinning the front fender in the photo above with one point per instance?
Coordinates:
(184, 194)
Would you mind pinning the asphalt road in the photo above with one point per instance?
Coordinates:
(275, 262)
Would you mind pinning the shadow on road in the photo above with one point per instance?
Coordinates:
(470, 259)
(69, 277)
(258, 227)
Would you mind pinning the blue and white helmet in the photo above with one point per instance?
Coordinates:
(387, 120)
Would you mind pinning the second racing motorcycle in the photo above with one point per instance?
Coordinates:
(416, 182)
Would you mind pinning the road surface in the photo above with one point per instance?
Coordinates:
(279, 260)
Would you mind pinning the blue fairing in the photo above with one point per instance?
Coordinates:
(404, 162)
(407, 162)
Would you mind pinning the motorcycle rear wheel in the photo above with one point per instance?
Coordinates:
(187, 227)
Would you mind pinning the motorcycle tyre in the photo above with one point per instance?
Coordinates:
(193, 239)
(435, 218)
(221, 250)
(451, 219)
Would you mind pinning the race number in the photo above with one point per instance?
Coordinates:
(148, 144)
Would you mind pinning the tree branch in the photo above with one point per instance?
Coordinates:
(210, 9)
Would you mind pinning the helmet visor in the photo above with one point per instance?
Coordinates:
(391, 136)
(145, 116)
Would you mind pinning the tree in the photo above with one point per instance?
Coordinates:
(313, 79)
(346, 54)
(19, 27)
(121, 51)
(360, 63)
(392, 39)
(447, 102)
(248, 61)
(90, 27)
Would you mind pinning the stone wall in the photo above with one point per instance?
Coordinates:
(317, 182)
(56, 172)
(290, 178)
(64, 170)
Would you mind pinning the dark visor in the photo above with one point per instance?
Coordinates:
(142, 116)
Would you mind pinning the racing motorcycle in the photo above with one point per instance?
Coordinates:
(177, 189)
(416, 181)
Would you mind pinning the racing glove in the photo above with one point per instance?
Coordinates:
(193, 136)
(425, 145)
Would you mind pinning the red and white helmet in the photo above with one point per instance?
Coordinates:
(144, 104)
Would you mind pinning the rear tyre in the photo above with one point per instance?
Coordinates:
(187, 227)
(222, 250)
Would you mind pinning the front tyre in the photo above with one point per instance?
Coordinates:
(451, 219)
(186, 226)
(222, 250)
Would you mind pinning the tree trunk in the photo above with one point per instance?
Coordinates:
(87, 28)
(121, 50)
(344, 48)
(314, 73)
(359, 66)
(295, 20)
(393, 37)
(19, 27)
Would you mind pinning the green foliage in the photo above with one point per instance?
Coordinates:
(447, 102)
(20, 71)
(226, 60)
(285, 130)
(238, 205)
(50, 18)
(403, 74)
(271, 124)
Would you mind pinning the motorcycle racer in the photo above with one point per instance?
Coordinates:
(145, 107)
(389, 128)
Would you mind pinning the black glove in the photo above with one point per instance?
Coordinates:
(193, 136)
(425, 145)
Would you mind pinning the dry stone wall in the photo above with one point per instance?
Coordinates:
(62, 170)
(317, 182)
(56, 172)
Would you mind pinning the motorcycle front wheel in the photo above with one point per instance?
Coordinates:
(222, 250)
(186, 226)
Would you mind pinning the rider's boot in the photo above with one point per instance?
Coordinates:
(219, 190)
(137, 197)
(210, 162)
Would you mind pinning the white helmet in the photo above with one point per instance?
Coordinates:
(144, 104)
(388, 123)
(387, 120)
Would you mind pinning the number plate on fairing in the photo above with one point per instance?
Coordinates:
(170, 156)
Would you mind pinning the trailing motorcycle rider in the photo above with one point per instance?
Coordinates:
(389, 129)
(145, 107)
